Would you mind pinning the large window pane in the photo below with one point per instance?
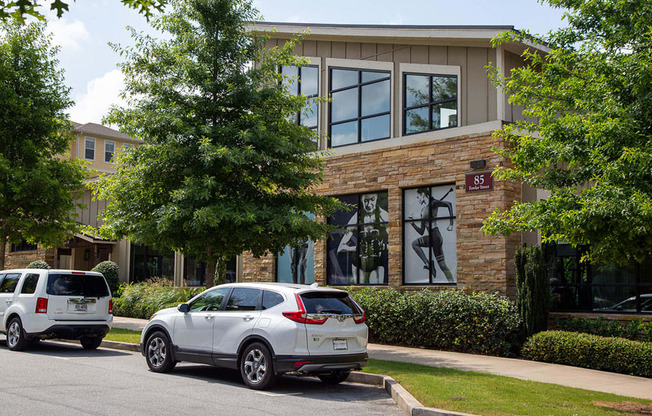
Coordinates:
(417, 92)
(430, 240)
(614, 298)
(309, 114)
(375, 128)
(346, 133)
(344, 105)
(444, 115)
(341, 78)
(368, 76)
(375, 98)
(290, 79)
(296, 264)
(444, 88)
(309, 81)
(417, 120)
(357, 254)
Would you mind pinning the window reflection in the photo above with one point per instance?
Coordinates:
(430, 102)
(304, 81)
(360, 106)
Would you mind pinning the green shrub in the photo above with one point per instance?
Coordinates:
(38, 264)
(591, 351)
(533, 289)
(109, 270)
(141, 300)
(636, 330)
(449, 320)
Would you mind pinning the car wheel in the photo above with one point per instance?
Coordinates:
(16, 340)
(335, 377)
(158, 353)
(256, 367)
(90, 343)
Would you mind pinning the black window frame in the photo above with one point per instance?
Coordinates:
(407, 222)
(23, 246)
(311, 96)
(358, 226)
(106, 151)
(86, 149)
(360, 117)
(577, 282)
(431, 103)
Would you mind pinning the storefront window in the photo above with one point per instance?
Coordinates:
(147, 263)
(429, 237)
(357, 253)
(296, 264)
(611, 288)
(194, 271)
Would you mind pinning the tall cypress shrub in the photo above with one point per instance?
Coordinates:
(533, 289)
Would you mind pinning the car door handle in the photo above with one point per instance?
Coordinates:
(209, 317)
(247, 318)
(8, 302)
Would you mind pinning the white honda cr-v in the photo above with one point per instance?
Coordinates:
(264, 330)
(40, 304)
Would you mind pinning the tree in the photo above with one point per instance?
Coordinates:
(36, 186)
(224, 169)
(587, 138)
(18, 9)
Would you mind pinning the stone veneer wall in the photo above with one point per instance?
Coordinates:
(20, 259)
(484, 263)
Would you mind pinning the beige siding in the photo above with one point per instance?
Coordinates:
(88, 215)
(513, 112)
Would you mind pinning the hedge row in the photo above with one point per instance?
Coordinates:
(591, 351)
(449, 320)
(635, 330)
(141, 300)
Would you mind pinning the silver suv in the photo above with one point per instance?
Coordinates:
(263, 330)
(40, 304)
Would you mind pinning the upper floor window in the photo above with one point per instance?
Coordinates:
(429, 102)
(89, 148)
(109, 150)
(127, 146)
(305, 81)
(360, 106)
(23, 246)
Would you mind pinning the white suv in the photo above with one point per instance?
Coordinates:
(40, 304)
(264, 330)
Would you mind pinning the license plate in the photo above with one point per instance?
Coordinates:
(340, 344)
(81, 307)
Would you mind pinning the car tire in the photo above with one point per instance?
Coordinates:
(158, 353)
(90, 343)
(16, 339)
(335, 377)
(256, 367)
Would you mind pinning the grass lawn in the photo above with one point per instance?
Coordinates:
(123, 335)
(487, 394)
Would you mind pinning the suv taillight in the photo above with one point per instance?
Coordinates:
(360, 319)
(41, 305)
(110, 306)
(301, 316)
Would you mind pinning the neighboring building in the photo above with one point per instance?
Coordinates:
(409, 127)
(97, 145)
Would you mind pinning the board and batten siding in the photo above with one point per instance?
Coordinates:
(478, 99)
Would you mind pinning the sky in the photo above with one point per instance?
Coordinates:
(90, 64)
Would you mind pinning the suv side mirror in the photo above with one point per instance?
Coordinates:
(184, 307)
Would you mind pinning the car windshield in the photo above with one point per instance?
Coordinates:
(87, 285)
(329, 302)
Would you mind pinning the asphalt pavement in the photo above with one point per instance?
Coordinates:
(64, 379)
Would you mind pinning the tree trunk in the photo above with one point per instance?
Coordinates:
(210, 274)
(3, 247)
(220, 270)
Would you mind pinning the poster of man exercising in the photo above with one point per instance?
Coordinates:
(430, 235)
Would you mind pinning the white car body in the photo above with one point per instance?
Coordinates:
(323, 342)
(30, 295)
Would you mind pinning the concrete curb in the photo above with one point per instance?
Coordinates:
(404, 400)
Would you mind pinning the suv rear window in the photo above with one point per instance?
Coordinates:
(329, 302)
(86, 285)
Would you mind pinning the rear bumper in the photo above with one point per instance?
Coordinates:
(316, 364)
(65, 331)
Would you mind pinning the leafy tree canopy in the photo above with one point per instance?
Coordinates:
(36, 187)
(587, 138)
(19, 9)
(224, 169)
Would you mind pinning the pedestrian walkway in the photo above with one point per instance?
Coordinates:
(583, 378)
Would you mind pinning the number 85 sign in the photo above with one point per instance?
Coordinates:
(480, 181)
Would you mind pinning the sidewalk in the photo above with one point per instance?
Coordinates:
(620, 384)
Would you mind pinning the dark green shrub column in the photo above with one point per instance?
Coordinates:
(533, 289)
